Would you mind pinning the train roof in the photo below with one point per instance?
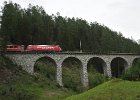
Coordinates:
(42, 45)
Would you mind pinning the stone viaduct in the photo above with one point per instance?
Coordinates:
(27, 61)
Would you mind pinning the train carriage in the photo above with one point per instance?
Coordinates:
(33, 48)
(14, 48)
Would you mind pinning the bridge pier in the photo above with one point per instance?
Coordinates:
(130, 62)
(27, 62)
(108, 69)
(59, 73)
(84, 75)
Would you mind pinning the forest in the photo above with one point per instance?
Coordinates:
(34, 26)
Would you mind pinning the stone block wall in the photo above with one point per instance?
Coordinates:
(27, 61)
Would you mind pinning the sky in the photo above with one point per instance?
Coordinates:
(119, 15)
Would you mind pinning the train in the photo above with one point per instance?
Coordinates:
(33, 48)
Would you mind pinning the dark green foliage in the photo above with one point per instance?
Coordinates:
(16, 84)
(133, 73)
(12, 82)
(117, 67)
(10, 22)
(95, 72)
(48, 70)
(71, 78)
(13, 93)
(95, 78)
(34, 26)
(71, 75)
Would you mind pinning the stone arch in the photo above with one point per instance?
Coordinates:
(98, 63)
(71, 73)
(135, 60)
(95, 65)
(47, 66)
(118, 66)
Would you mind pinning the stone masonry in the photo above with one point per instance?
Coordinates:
(27, 61)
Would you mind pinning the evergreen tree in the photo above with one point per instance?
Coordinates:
(34, 26)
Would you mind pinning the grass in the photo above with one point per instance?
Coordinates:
(115, 89)
(95, 78)
(16, 84)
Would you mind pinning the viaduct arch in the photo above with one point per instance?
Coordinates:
(99, 65)
(118, 66)
(27, 62)
(72, 72)
(46, 66)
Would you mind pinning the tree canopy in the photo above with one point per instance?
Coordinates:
(34, 26)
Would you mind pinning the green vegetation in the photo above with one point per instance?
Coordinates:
(115, 89)
(34, 26)
(133, 73)
(95, 73)
(71, 75)
(96, 79)
(47, 68)
(16, 84)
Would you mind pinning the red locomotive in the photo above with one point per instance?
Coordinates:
(43, 48)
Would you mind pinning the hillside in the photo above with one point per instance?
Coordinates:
(113, 90)
(16, 84)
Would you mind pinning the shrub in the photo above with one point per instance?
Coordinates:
(47, 70)
(71, 78)
(95, 79)
(13, 93)
(133, 73)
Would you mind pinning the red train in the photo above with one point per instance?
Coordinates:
(41, 48)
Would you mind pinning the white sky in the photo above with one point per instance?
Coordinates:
(119, 15)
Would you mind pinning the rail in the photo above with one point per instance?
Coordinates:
(72, 53)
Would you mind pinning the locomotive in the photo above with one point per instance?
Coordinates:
(35, 48)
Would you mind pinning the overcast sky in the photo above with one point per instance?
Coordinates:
(119, 15)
